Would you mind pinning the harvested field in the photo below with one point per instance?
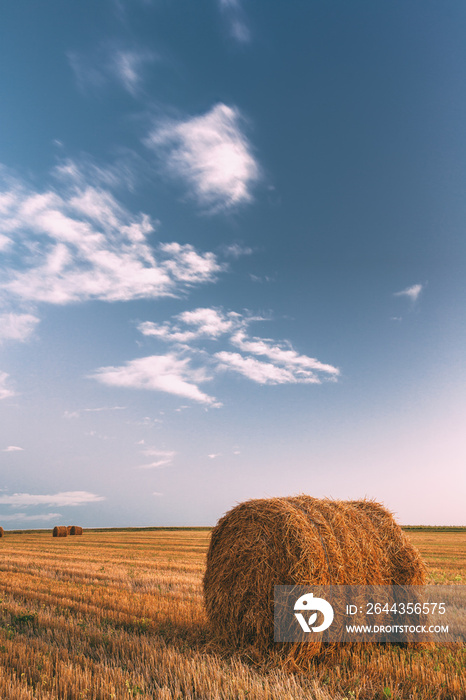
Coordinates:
(119, 614)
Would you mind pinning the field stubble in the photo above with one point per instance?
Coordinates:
(119, 614)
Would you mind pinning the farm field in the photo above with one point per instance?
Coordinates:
(119, 614)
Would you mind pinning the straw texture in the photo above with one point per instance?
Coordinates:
(76, 530)
(297, 540)
(60, 531)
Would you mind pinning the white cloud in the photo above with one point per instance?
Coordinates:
(82, 244)
(163, 458)
(285, 364)
(64, 498)
(157, 493)
(301, 365)
(257, 371)
(17, 326)
(214, 455)
(167, 373)
(412, 292)
(187, 266)
(5, 392)
(236, 20)
(212, 154)
(13, 448)
(30, 518)
(209, 322)
(201, 322)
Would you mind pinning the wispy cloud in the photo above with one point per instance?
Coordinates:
(236, 20)
(211, 154)
(167, 373)
(260, 372)
(190, 325)
(190, 362)
(64, 498)
(163, 458)
(104, 408)
(81, 244)
(14, 517)
(127, 67)
(100, 409)
(5, 391)
(284, 365)
(412, 292)
(302, 366)
(13, 448)
(108, 64)
(17, 326)
(235, 251)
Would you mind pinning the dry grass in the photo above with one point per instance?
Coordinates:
(120, 615)
(299, 540)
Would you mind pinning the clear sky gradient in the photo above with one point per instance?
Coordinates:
(232, 243)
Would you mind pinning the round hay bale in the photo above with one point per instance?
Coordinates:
(60, 531)
(76, 530)
(2, 532)
(297, 540)
(68, 529)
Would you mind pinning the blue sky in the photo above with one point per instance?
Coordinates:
(232, 258)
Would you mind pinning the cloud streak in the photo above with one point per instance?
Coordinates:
(211, 154)
(111, 64)
(64, 498)
(30, 518)
(262, 372)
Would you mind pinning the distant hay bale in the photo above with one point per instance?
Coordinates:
(68, 529)
(297, 540)
(2, 532)
(76, 530)
(60, 531)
